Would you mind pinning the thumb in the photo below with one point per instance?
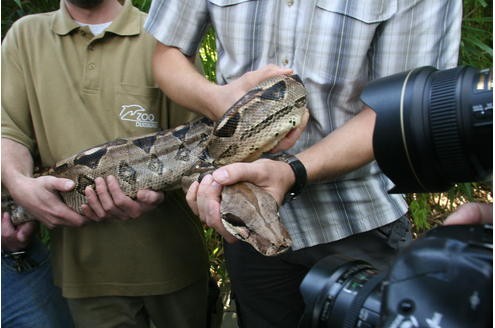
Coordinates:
(25, 231)
(60, 184)
(7, 226)
(150, 197)
(236, 172)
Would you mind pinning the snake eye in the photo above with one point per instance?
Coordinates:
(234, 220)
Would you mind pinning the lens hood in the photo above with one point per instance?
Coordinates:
(433, 128)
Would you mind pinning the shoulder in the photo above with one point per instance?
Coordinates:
(27, 28)
(32, 22)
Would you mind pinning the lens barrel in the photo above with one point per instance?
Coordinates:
(433, 128)
(341, 292)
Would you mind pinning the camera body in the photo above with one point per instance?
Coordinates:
(433, 129)
(443, 279)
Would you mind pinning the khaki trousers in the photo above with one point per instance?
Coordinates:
(185, 308)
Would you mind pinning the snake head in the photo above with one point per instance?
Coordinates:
(251, 214)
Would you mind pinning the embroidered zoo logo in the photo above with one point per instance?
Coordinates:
(138, 114)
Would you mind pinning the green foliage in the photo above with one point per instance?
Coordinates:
(477, 34)
(215, 247)
(143, 5)
(12, 10)
(208, 55)
(419, 209)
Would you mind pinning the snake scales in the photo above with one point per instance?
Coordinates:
(173, 158)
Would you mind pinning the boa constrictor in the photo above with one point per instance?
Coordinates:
(168, 159)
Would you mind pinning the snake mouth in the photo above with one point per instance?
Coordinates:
(264, 245)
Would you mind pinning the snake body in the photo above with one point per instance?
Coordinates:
(173, 158)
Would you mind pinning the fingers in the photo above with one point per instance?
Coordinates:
(208, 201)
(258, 76)
(107, 200)
(93, 209)
(150, 197)
(7, 227)
(204, 199)
(24, 233)
(40, 198)
(16, 238)
(273, 176)
(191, 197)
(234, 90)
(471, 213)
(291, 138)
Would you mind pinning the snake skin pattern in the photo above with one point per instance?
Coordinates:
(174, 158)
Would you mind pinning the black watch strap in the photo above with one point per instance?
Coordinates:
(299, 172)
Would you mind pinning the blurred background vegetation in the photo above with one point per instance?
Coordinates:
(426, 210)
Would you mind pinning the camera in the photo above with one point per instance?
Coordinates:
(433, 129)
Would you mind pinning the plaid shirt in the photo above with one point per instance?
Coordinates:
(335, 46)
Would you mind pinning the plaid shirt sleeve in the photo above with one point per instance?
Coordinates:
(178, 23)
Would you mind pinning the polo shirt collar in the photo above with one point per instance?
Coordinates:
(127, 23)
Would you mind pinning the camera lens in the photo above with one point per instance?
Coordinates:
(339, 292)
(433, 128)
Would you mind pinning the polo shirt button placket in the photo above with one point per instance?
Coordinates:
(290, 3)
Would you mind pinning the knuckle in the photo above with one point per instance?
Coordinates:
(100, 215)
(107, 207)
(120, 202)
(79, 223)
(125, 217)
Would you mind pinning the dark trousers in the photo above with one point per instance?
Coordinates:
(266, 289)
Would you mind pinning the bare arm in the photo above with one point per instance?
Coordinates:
(178, 78)
(342, 151)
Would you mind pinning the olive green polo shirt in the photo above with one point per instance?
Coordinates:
(64, 90)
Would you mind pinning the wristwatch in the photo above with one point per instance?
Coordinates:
(299, 172)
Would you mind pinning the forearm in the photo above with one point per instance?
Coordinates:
(177, 76)
(342, 151)
(179, 79)
(17, 162)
